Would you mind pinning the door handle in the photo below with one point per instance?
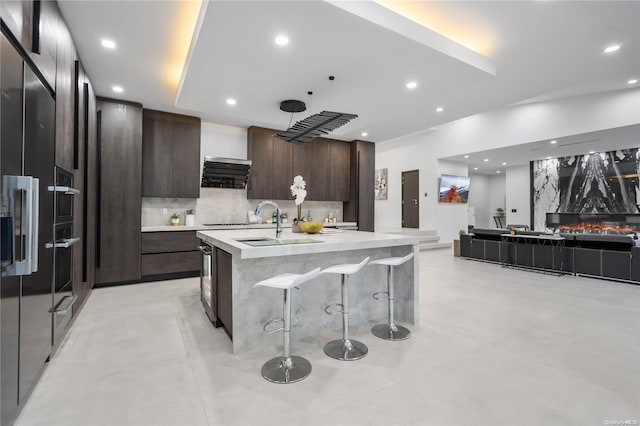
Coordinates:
(65, 243)
(415, 201)
(59, 311)
(64, 189)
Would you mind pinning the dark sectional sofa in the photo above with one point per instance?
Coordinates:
(606, 256)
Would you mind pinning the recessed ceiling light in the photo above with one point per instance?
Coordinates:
(365, 134)
(109, 44)
(591, 152)
(553, 142)
(117, 89)
(612, 48)
(282, 40)
(632, 81)
(504, 164)
(466, 156)
(412, 85)
(486, 160)
(439, 109)
(497, 171)
(475, 168)
(231, 101)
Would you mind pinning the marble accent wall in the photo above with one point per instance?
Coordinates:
(604, 182)
(219, 205)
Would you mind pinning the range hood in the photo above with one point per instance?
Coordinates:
(219, 172)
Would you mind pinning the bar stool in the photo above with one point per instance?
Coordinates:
(286, 368)
(390, 331)
(345, 349)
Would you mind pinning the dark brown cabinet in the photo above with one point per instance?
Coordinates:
(260, 152)
(323, 163)
(360, 207)
(17, 16)
(170, 155)
(35, 26)
(225, 290)
(119, 185)
(172, 253)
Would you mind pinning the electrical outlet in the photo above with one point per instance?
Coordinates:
(514, 210)
(165, 211)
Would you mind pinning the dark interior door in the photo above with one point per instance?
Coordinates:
(410, 200)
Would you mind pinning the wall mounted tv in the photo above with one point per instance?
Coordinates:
(454, 189)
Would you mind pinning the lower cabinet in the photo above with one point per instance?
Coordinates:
(170, 254)
(225, 290)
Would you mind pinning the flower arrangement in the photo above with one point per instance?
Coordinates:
(299, 193)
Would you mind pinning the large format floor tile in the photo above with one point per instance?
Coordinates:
(493, 346)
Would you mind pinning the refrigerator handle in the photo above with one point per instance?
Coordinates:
(34, 216)
(26, 185)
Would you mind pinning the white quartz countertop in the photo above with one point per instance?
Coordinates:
(242, 226)
(332, 241)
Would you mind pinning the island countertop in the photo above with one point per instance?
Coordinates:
(331, 241)
(243, 310)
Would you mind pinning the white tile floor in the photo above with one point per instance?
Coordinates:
(494, 347)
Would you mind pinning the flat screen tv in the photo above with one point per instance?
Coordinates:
(454, 189)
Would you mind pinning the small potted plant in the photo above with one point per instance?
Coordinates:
(175, 219)
(284, 217)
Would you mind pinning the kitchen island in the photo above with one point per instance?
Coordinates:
(250, 308)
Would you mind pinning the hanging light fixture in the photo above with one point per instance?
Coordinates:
(314, 126)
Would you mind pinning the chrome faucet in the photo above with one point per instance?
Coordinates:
(278, 225)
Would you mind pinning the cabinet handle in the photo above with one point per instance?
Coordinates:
(64, 189)
(65, 243)
(206, 250)
(70, 301)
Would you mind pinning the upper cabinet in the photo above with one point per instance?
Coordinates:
(67, 75)
(34, 24)
(170, 155)
(323, 163)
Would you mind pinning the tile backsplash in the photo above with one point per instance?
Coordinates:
(219, 205)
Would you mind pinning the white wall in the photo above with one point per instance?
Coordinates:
(223, 141)
(479, 199)
(494, 129)
(497, 196)
(518, 190)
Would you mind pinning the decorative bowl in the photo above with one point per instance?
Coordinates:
(311, 227)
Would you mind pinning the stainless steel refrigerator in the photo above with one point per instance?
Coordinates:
(27, 217)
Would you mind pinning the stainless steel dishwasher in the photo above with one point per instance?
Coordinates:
(208, 285)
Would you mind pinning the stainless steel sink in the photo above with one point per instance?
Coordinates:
(265, 241)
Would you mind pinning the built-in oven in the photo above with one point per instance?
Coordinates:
(208, 286)
(65, 193)
(62, 246)
(63, 297)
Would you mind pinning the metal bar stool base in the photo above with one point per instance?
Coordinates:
(349, 350)
(386, 332)
(276, 371)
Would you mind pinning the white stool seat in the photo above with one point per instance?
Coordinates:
(346, 268)
(285, 281)
(392, 261)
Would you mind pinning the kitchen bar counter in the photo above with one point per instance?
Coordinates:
(163, 228)
(252, 307)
